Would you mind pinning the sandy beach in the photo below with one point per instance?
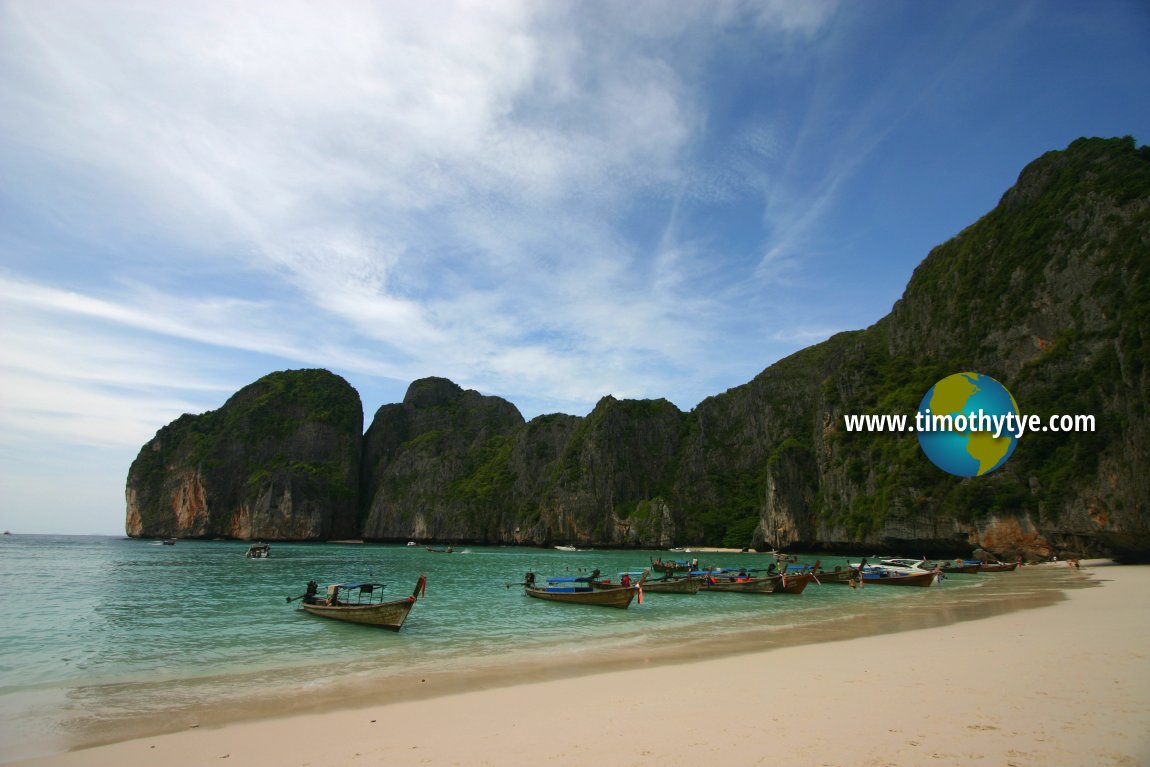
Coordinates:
(1062, 684)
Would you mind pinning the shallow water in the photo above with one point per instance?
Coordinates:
(108, 638)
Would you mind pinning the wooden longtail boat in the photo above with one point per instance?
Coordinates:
(785, 582)
(440, 549)
(673, 566)
(997, 567)
(793, 584)
(369, 608)
(689, 584)
(581, 591)
(742, 584)
(960, 567)
(838, 575)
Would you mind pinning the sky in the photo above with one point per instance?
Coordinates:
(545, 201)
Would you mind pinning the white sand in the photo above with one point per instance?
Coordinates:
(1067, 684)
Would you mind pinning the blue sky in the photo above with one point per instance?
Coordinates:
(548, 201)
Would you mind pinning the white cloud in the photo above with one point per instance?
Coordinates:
(384, 190)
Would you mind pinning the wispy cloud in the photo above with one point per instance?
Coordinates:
(546, 201)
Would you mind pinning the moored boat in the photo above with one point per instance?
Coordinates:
(839, 575)
(960, 567)
(168, 541)
(440, 549)
(368, 609)
(674, 565)
(687, 584)
(997, 567)
(796, 583)
(581, 590)
(880, 575)
(741, 581)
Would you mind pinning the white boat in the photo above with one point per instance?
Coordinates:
(906, 566)
(259, 551)
(566, 548)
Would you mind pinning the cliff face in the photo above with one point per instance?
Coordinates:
(1048, 293)
(435, 466)
(279, 460)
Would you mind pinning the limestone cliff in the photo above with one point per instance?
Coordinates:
(280, 460)
(1048, 293)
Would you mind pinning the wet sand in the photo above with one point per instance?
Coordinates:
(1022, 676)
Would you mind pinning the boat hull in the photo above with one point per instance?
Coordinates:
(916, 579)
(689, 585)
(389, 615)
(1000, 567)
(620, 596)
(744, 586)
(793, 584)
(385, 615)
(838, 575)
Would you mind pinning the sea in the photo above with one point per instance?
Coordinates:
(109, 638)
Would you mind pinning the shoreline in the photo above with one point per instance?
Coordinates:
(1085, 635)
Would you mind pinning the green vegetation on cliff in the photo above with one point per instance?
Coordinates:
(1048, 293)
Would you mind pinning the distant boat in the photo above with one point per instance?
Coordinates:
(169, 541)
(674, 565)
(368, 609)
(259, 551)
(412, 543)
(581, 591)
(440, 549)
(566, 548)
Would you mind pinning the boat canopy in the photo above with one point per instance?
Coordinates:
(366, 588)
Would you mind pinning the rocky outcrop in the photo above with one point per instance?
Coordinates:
(437, 466)
(1048, 293)
(280, 460)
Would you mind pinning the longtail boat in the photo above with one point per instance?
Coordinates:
(960, 566)
(581, 590)
(794, 584)
(687, 584)
(440, 549)
(674, 565)
(742, 582)
(997, 567)
(839, 575)
(368, 608)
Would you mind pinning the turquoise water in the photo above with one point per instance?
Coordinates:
(106, 638)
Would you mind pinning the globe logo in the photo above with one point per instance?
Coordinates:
(954, 424)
